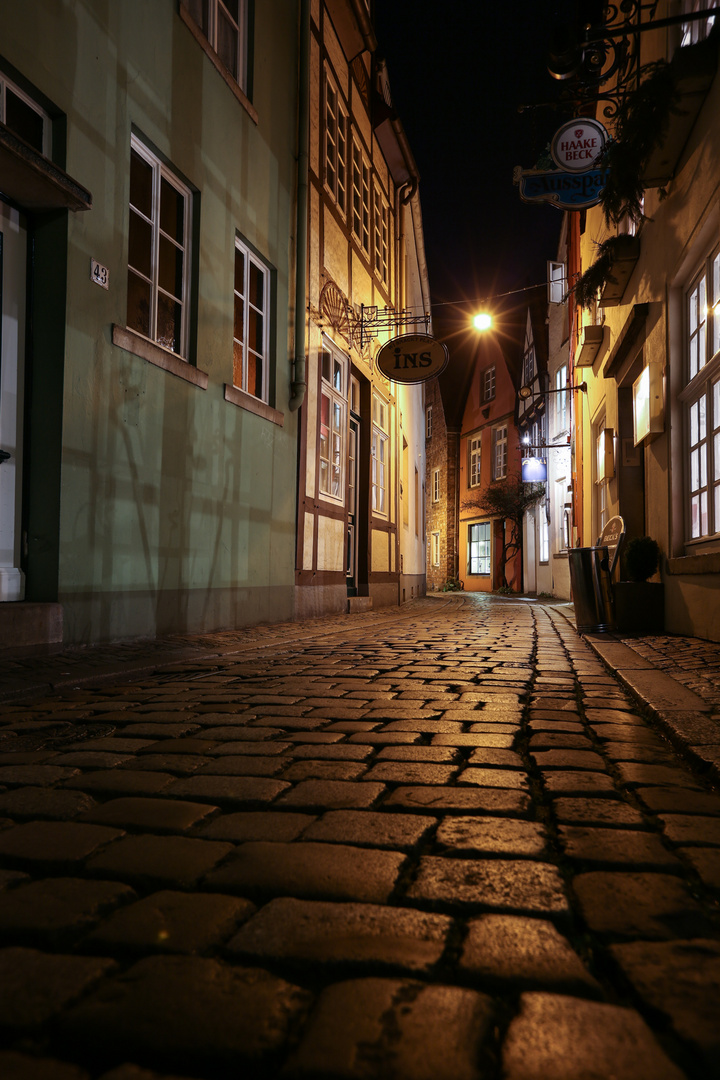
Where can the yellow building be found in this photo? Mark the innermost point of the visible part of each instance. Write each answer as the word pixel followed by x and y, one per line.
pixel 648 341
pixel 360 536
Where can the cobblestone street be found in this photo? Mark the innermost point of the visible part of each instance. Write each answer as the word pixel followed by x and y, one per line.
pixel 439 842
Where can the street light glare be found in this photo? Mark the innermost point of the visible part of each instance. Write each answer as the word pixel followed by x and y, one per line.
pixel 482 321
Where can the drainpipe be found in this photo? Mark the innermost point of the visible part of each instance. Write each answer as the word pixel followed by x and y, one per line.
pixel 299 385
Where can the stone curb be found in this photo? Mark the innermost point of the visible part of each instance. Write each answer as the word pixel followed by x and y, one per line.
pixel 681 713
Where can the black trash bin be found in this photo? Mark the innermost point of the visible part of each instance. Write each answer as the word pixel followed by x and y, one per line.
pixel 591 571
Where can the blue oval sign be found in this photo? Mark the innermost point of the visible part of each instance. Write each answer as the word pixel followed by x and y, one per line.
pixel 412 358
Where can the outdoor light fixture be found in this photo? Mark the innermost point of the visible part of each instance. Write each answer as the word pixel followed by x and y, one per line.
pixel 526 391
pixel 483 321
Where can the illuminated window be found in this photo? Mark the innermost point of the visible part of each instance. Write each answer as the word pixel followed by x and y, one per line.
pixel 381 236
pixel 436 485
pixel 435 548
pixel 543 534
pixel 474 448
pixel 158 249
pixel 561 419
pixel 224 24
pixel 251 323
pixel 697 29
pixel 360 198
pixel 380 443
pixel 24 117
pixel 479 548
pixel 499 462
pixel 333 404
pixel 489 383
pixel 336 124
pixel 701 399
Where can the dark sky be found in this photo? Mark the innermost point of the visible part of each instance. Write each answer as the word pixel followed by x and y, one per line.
pixel 458 71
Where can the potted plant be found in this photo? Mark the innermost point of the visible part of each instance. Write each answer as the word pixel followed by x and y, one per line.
pixel 639 602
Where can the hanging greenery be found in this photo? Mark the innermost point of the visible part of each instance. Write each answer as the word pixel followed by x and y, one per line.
pixel 590 283
pixel 641 124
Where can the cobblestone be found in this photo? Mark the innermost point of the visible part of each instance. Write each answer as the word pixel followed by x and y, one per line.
pixel 240 860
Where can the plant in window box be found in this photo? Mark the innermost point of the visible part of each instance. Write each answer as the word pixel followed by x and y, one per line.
pixel 639 602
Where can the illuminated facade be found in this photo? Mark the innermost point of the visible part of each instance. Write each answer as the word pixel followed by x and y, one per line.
pixel 648 430
pixel 360 519
pixel 149 165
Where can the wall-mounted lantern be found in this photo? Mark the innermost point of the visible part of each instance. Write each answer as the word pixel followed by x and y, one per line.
pixel 648 409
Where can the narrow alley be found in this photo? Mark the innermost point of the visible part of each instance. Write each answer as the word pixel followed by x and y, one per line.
pixel 438 842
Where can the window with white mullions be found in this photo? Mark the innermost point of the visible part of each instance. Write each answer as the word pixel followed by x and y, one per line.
pixel 500 440
pixel 380 442
pixel 701 398
pixel 25 117
pixel 158 242
pixel 333 423
pixel 251 323
pixel 479 548
pixel 381 236
pixel 224 24
pixel 489 383
pixel 360 198
pixel 336 124
pixel 474 458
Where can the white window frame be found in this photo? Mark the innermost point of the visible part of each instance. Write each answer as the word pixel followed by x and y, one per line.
pixel 500 452
pixel 242 346
pixel 561 411
pixel 696 29
pixel 428 422
pixel 543 531
pixel 489 383
pixel 332 432
pixel 217 11
pixel 435 548
pixel 336 144
pixel 479 548
pixel 474 461
pixel 380 454
pixel 381 235
pixel 7 84
pixel 556 282
pixel 160 173
pixel 436 485
pixel 360 200
pixel 701 401
pixel 529 365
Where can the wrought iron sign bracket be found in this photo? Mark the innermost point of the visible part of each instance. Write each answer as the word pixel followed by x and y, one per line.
pixel 373 320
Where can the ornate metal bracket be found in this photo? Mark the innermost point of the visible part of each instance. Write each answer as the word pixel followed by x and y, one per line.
pixel 360 325
pixel 603 66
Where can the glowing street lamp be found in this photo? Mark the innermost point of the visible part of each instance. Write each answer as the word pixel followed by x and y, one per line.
pixel 483 321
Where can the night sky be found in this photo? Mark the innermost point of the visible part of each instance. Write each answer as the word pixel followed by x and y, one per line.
pixel 458 71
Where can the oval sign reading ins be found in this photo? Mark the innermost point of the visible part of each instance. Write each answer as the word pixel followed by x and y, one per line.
pixel 412 358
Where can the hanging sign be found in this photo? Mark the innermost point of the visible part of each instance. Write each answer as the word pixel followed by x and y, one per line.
pixel 577 145
pixel 533 470
pixel 567 191
pixel 412 358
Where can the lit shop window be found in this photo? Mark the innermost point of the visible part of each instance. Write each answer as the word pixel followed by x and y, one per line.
pixel 380 443
pixel 701 399
pixel 479 548
pixel 332 423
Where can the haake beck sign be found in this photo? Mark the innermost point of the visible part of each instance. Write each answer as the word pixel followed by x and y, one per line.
pixel 412 358
pixel 577 145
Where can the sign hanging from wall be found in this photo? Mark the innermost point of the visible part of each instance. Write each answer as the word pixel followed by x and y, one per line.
pixel 412 358
pixel 533 470
pixel 577 145
pixel 578 181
